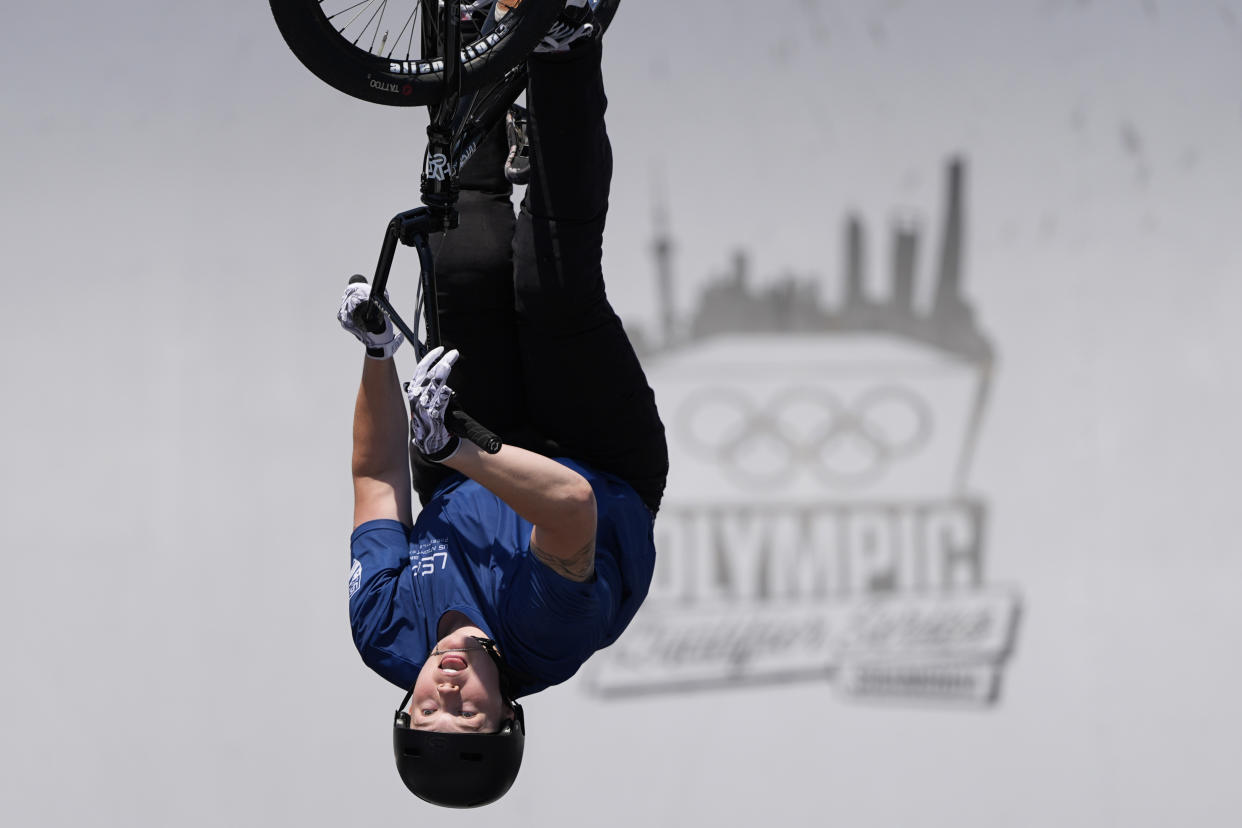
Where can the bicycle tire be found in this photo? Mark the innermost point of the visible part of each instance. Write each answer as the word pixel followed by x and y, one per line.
pixel 404 80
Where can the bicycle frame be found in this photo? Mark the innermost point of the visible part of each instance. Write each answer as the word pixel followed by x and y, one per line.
pixel 454 133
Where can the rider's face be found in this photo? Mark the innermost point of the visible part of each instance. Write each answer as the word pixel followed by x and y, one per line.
pixel 458 689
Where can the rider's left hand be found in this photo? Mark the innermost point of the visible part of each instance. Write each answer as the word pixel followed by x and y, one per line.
pixel 429 396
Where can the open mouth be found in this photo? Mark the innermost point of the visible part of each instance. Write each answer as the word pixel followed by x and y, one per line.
pixel 452 663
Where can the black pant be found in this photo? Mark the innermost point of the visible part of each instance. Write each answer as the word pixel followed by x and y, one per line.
pixel 544 360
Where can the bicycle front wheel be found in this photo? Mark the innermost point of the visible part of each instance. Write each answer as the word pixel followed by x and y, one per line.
pixel 384 51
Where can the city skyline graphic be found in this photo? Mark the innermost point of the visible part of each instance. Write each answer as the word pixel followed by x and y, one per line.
pixel 818 521
pixel 731 304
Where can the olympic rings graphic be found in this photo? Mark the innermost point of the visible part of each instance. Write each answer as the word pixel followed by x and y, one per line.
pixel 844 444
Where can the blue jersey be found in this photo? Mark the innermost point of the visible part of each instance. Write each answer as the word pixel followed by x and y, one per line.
pixel 469 552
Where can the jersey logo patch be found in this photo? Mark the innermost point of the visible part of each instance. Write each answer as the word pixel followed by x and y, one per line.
pixel 355 577
pixel 429 557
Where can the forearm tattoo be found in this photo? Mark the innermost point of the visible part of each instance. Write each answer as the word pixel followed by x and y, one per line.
pixel 576 567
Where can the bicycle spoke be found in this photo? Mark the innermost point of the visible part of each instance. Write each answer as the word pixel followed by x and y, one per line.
pixel 378 11
pixel 361 11
pixel 409 24
pixel 361 23
pixel 342 11
pixel 379 24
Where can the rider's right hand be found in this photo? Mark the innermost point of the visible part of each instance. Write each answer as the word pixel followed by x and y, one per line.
pixel 380 345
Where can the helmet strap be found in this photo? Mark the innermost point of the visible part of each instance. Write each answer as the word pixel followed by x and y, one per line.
pixel 506 675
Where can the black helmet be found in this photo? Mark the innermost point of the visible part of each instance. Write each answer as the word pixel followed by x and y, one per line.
pixel 459 770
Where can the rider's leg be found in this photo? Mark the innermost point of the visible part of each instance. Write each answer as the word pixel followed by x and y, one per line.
pixel 474 287
pixel 584 387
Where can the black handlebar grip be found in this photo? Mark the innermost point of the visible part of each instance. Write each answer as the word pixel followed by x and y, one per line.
pixel 462 424
pixel 367 316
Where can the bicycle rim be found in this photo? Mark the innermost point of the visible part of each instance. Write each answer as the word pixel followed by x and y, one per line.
pixel 381 51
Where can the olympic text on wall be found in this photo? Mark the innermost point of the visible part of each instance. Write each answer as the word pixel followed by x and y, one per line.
pixel 818 520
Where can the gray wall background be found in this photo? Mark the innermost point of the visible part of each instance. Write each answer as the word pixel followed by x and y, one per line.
pixel 182 202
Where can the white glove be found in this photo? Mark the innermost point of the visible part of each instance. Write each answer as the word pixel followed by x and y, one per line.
pixel 429 396
pixel 380 345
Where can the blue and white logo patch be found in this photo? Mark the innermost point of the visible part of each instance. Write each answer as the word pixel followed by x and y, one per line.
pixel 355 577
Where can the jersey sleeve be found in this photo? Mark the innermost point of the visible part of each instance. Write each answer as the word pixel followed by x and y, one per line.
pixel 380 550
pixel 554 624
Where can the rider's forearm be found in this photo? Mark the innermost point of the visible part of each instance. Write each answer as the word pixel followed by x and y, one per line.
pixel 381 427
pixel 539 489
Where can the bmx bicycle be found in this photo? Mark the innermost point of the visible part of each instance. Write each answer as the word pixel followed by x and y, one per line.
pixel 351 46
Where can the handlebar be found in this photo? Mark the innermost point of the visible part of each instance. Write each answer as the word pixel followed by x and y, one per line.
pixel 411 228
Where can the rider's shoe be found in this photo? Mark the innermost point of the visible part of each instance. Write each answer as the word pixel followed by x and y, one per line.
pixel 517 165
pixel 575 25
